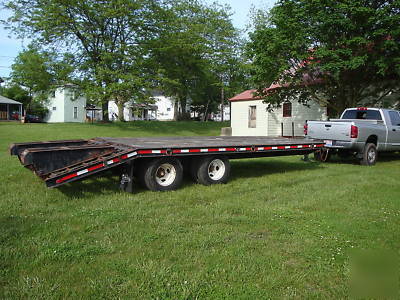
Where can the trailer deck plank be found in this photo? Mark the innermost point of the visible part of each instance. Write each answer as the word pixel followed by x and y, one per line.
pixel 203 141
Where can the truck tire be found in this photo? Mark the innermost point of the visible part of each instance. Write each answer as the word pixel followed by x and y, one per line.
pixel 162 174
pixel 370 155
pixel 212 170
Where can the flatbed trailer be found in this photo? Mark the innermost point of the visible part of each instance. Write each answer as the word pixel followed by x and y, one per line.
pixel 158 163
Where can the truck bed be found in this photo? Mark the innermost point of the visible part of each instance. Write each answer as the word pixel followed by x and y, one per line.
pixel 60 162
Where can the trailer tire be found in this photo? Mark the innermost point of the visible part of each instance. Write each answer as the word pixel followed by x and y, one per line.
pixel 162 174
pixel 212 170
pixel 370 155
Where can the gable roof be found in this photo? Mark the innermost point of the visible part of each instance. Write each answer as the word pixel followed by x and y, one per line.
pixel 4 100
pixel 251 94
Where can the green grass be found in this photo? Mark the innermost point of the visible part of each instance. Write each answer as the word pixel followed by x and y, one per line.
pixel 281 228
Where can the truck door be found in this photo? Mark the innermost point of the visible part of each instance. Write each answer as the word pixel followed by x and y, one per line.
pixel 393 141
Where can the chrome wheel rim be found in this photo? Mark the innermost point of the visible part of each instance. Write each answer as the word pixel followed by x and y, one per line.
pixel 216 169
pixel 371 155
pixel 165 174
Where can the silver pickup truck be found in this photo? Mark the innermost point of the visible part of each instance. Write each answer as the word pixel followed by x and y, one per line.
pixel 360 131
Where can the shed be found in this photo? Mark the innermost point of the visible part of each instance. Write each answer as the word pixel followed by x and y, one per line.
pixel 249 116
pixel 10 109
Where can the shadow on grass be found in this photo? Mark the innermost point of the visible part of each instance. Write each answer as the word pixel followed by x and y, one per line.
pixel 352 160
pixel 107 183
pixel 257 168
pixel 100 184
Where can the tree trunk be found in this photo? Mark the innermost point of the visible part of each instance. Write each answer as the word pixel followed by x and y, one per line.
pixel 176 112
pixel 182 102
pixel 206 111
pixel 222 104
pixel 120 112
pixel 104 107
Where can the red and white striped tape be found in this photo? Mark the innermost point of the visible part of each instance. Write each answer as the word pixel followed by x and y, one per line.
pixel 95 167
pixel 183 151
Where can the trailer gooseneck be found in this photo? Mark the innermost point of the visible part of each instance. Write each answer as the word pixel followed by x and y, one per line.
pixel 157 163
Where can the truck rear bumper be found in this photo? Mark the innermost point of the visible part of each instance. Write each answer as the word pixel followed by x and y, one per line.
pixel 349 145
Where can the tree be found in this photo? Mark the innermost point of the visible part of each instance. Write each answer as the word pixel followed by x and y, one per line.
pixel 104 38
pixel 339 53
pixel 34 74
pixel 31 79
pixel 196 53
pixel 31 69
pixel 16 93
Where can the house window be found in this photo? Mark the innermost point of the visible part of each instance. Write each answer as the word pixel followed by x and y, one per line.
pixel 75 112
pixel 54 108
pixel 53 94
pixel 252 116
pixel 169 109
pixel 287 109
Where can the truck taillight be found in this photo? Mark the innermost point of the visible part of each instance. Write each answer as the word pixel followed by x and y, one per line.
pixel 305 129
pixel 354 132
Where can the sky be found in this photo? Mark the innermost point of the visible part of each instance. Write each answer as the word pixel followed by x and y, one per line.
pixel 9 47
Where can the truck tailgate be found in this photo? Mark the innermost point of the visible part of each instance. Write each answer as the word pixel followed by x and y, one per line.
pixel 325 130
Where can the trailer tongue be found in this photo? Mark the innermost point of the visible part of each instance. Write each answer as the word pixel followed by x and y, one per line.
pixel 156 161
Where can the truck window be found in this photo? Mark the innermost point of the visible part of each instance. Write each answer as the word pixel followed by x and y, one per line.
pixel 394 118
pixel 362 114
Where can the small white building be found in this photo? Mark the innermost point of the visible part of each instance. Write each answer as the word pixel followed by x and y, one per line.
pixel 133 111
pixel 66 104
pixel 249 116
pixel 227 113
pixel 162 108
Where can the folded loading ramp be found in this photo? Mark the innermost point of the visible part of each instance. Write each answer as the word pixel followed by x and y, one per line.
pixel 60 162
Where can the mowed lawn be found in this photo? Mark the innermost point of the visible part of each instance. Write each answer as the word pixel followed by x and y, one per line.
pixel 281 228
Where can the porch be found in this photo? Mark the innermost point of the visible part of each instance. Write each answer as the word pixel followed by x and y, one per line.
pixel 10 109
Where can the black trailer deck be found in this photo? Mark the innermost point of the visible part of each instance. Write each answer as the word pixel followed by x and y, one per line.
pixel 60 162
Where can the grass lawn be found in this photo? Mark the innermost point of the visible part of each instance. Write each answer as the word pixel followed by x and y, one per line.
pixel 281 228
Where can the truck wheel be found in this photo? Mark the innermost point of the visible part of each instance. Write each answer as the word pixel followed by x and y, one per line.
pixel 163 174
pixel 212 170
pixel 370 155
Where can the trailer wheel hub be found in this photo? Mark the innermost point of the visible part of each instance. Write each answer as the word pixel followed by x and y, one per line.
pixel 216 169
pixel 165 174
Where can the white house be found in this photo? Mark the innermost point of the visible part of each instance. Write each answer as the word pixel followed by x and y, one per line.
pixel 66 104
pixel 133 111
pixel 249 116
pixel 163 109
pixel 227 113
